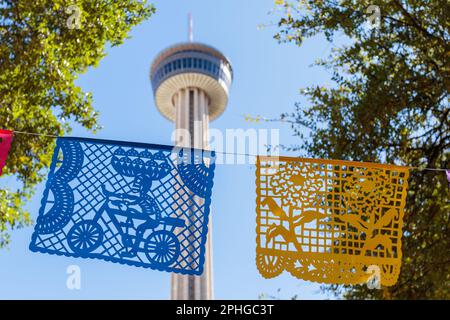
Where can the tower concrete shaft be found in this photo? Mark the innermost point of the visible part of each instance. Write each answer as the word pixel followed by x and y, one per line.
pixel 191 115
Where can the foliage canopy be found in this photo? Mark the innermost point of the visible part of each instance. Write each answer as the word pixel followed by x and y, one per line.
pixel 389 103
pixel 44 46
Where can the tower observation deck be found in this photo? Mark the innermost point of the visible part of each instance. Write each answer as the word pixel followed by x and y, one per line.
pixel 191 65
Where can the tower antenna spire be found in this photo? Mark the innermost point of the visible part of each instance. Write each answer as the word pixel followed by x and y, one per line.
pixel 191 28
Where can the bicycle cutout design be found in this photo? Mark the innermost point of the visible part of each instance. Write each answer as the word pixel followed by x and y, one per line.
pixel 161 247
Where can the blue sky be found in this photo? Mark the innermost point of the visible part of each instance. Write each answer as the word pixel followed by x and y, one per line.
pixel 267 80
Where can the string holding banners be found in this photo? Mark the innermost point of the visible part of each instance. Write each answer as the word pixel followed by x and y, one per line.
pixel 329 221
pixel 137 204
pixel 147 205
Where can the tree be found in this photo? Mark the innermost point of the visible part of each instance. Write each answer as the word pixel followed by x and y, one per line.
pixel 388 103
pixel 44 46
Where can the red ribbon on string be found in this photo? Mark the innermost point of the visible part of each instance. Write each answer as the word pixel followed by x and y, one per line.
pixel 6 137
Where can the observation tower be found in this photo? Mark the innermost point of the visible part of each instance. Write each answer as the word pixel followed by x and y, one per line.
pixel 191 83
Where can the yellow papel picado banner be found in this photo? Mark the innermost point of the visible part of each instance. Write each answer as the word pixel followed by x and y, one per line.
pixel 329 221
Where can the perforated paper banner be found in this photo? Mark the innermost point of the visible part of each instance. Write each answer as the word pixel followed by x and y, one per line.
pixel 329 221
pixel 136 204
pixel 6 137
